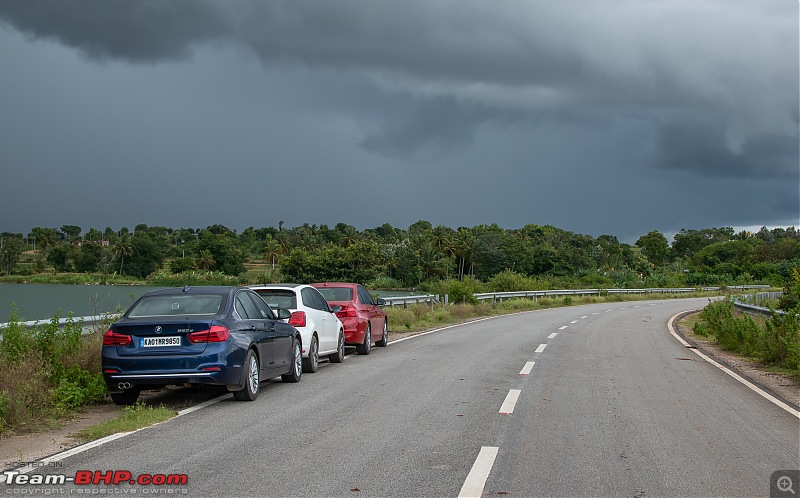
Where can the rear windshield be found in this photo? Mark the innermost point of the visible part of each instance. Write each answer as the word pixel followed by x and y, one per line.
pixel 195 304
pixel 278 298
pixel 336 293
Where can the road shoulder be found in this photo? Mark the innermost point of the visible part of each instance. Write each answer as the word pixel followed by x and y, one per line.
pixel 781 386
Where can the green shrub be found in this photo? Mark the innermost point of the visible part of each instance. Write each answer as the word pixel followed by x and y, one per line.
pixel 46 372
pixel 457 291
pixel 384 282
pixel 511 281
pixel 168 279
pixel 791 293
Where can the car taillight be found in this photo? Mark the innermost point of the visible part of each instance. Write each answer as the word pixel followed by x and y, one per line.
pixel 216 333
pixel 111 338
pixel 347 312
pixel 298 319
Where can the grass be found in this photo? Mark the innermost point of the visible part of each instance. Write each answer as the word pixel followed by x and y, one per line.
pixel 133 417
pixel 773 342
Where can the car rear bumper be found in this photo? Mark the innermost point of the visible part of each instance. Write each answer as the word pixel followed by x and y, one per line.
pixel 118 382
pixel 220 368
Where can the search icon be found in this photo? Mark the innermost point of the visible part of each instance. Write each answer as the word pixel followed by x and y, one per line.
pixel 785 484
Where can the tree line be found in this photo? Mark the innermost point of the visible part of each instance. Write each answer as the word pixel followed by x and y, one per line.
pixel 411 258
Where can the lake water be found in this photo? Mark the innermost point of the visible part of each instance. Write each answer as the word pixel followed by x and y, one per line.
pixel 42 301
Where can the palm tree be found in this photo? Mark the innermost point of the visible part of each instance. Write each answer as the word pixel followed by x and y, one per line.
pixel 122 249
pixel 205 259
pixel 272 250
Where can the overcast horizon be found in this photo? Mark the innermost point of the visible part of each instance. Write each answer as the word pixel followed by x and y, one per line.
pixel 597 117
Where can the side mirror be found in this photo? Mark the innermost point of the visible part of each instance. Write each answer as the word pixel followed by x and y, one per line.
pixel 336 308
pixel 283 314
pixel 380 302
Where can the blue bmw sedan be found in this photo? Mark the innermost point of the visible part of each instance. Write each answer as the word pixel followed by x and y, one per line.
pixel 199 335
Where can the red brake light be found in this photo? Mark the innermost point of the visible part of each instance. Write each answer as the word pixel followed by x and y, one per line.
pixel 217 333
pixel 298 319
pixel 111 338
pixel 347 312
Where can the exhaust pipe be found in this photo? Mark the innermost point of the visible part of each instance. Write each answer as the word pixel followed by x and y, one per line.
pixel 124 385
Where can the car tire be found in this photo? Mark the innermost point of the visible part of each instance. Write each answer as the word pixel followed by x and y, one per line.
pixel 297 365
pixel 126 397
pixel 338 356
pixel 367 345
pixel 252 380
pixel 384 340
pixel 311 363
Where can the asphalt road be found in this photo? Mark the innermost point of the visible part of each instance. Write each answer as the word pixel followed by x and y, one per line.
pixel 613 406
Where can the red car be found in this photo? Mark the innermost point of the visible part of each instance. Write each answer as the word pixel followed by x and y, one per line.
pixel 361 316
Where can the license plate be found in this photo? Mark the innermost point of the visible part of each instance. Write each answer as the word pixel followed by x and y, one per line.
pixel 154 342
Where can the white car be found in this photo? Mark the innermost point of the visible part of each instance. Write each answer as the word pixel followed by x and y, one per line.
pixel 321 330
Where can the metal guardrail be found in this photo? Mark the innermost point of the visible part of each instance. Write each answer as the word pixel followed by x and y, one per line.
pixel 756 310
pixel 534 294
pixel 406 300
pixel 661 290
pixel 500 296
pixel 88 322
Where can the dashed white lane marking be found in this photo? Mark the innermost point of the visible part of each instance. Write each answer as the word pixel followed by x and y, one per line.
pixel 736 376
pixel 609 311
pixel 540 348
pixel 476 479
pixel 552 335
pixel 527 368
pixel 562 328
pixel 574 321
pixel 595 313
pixel 507 408
pixel 623 308
pixel 585 316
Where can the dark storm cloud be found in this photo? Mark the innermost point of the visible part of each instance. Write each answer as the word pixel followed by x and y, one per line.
pixel 437 125
pixel 140 31
pixel 700 146
pixel 706 91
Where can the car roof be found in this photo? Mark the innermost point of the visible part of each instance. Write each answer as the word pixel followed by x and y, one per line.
pixel 334 284
pixel 190 290
pixel 276 286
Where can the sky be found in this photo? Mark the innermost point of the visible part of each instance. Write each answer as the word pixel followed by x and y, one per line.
pixel 596 116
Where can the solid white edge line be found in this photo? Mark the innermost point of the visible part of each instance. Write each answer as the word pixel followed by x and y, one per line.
pixel 507 408
pixel 68 453
pixel 527 368
pixel 476 479
pixel 728 371
pixel 204 404
pixel 98 442
pixel 451 326
pixel 553 335
pixel 540 348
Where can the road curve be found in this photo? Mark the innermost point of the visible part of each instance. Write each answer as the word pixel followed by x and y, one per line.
pixel 611 405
